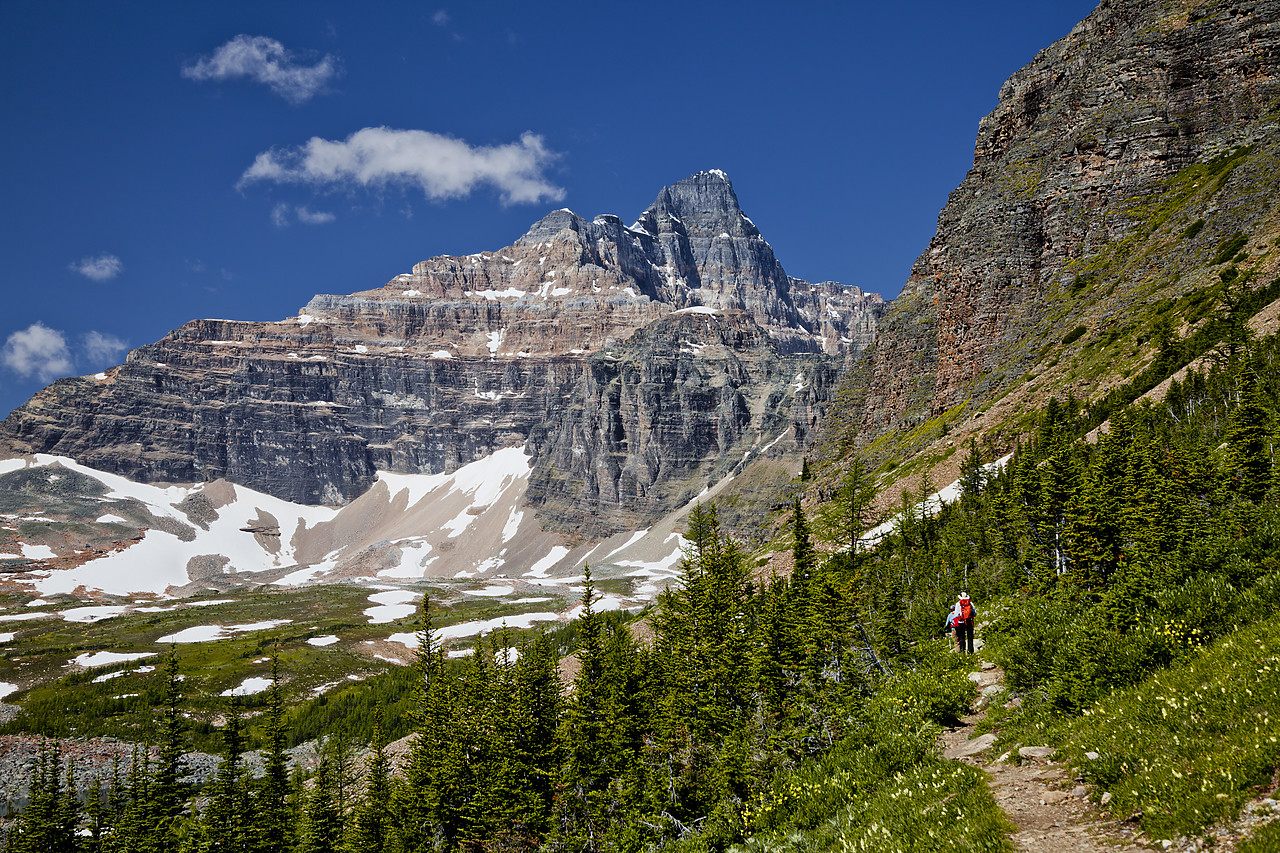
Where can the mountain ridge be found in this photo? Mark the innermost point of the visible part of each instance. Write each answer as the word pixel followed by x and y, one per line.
pixel 467 355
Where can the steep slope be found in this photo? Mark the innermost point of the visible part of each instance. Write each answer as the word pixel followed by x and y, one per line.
pixel 1115 169
pixel 465 356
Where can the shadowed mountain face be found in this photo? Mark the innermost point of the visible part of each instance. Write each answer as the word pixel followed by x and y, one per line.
pixel 632 363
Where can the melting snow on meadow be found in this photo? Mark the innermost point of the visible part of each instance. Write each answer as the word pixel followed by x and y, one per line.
pixel 249 686
pixel 209 633
pixel 6 688
pixel 90 659
pixel 392 605
pixel 321 642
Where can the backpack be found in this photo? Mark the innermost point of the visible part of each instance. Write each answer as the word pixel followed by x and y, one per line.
pixel 965 617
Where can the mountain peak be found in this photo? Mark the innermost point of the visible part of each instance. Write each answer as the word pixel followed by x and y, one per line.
pixel 702 205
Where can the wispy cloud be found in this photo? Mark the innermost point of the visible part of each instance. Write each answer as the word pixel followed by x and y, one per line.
pixel 441 166
pixel 313 217
pixel 265 61
pixel 100 349
pixel 103 267
pixel 37 351
pixel 441 18
pixel 283 214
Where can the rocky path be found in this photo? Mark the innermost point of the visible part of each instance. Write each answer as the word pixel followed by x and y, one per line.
pixel 1043 800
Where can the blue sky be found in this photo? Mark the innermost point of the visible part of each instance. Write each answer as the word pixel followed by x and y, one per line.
pixel 170 161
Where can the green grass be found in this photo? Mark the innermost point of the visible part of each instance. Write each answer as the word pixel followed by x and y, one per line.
pixel 1190 745
pixel 884 787
pixel 1183 749
pixel 1265 839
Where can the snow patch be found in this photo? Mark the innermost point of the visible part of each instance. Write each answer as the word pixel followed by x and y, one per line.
pixel 91 659
pixel 248 687
pixel 540 568
pixel 209 633
pixel 321 642
pixel 391 605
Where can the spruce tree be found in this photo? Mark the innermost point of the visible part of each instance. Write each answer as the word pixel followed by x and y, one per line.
pixel 168 797
pixel 323 833
pixel 371 824
pixel 273 820
pixel 228 816
pixel 48 824
pixel 1249 441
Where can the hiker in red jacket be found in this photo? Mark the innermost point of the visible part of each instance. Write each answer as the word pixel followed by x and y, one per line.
pixel 963 615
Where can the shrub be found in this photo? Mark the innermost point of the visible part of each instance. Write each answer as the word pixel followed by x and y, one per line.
pixel 1193 229
pixel 1074 335
pixel 1228 249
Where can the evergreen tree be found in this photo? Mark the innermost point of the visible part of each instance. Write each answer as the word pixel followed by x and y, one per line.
pixel 1249 442
pixel 844 518
pixel 48 824
pixel 168 797
pixel 371 824
pixel 323 832
pixel 273 818
pixel 228 815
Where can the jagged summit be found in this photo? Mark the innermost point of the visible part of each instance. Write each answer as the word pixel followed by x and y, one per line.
pixel 702 205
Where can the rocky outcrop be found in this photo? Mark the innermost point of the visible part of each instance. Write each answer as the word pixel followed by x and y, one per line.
pixel 569 340
pixel 1071 170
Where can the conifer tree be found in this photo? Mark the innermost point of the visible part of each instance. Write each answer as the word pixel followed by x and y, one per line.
pixel 48 824
pixel 323 832
pixel 371 824
pixel 168 797
pixel 228 815
pixel 1249 440
pixel 273 821
pixel 844 518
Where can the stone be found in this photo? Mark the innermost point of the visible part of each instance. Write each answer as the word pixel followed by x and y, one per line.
pixel 1080 792
pixel 1092 756
pixel 970 747
pixel 1050 797
pixel 1105 799
pixel 1037 753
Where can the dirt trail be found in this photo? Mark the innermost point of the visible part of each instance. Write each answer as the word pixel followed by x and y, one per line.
pixel 1044 801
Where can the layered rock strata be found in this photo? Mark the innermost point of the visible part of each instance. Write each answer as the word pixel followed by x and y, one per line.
pixel 632 361
pixel 1066 168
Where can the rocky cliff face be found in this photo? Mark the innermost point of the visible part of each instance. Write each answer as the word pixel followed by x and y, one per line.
pixel 633 362
pixel 1078 194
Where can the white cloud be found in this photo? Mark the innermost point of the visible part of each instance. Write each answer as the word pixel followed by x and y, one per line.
pixel 101 268
pixel 265 61
pixel 37 351
pixel 440 18
pixel 282 214
pixel 441 166
pixel 102 349
pixel 313 217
